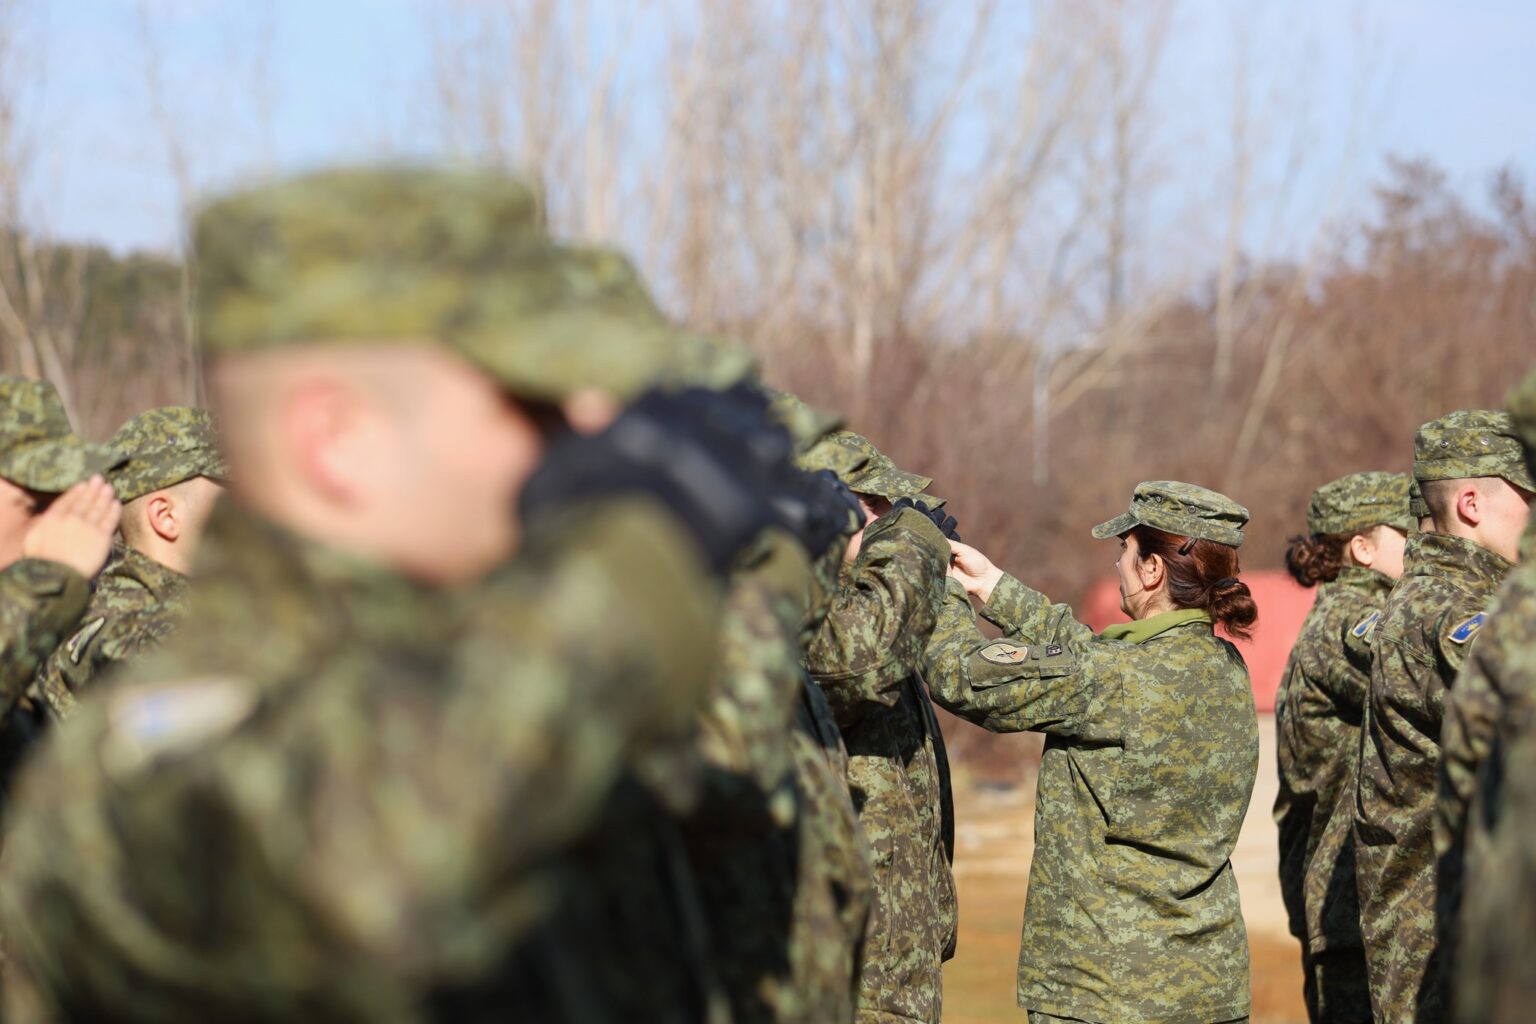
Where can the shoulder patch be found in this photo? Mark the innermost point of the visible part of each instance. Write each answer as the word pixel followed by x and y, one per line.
pixel 1468 629
pixel 148 723
pixel 1004 653
pixel 84 635
pixel 1366 626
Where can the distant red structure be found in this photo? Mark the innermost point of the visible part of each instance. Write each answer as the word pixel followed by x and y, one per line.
pixel 1283 605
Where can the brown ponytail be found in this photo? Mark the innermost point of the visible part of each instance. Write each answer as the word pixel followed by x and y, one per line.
pixel 1202 574
pixel 1316 559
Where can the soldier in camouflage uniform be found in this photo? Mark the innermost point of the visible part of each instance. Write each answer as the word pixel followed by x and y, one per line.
pixel 1476 485
pixel 1486 792
pixel 1150 756
pixel 173 474
pixel 1357 525
pixel 348 786
pixel 865 657
pixel 50 546
pixel 775 841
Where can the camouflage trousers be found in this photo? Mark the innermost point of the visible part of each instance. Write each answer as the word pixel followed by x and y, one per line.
pixel 1337 989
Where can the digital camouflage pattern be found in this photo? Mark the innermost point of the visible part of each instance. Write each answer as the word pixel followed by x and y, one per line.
pixel 164 447
pixel 136 604
pixel 40 602
pixel 1484 862
pixel 865 656
pixel 1470 443
pixel 1181 509
pixel 1359 501
pixel 774 842
pixel 1496 976
pixel 877 475
pixel 386 781
pixel 1318 709
pixel 460 258
pixel 1423 638
pixel 38 447
pixel 1416 506
pixel 1150 756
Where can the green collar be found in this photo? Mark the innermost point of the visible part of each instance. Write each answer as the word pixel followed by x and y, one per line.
pixel 1142 630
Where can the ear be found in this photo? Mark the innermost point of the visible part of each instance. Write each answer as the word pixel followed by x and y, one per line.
pixel 1362 550
pixel 1470 505
pixel 1152 571
pixel 322 423
pixel 164 515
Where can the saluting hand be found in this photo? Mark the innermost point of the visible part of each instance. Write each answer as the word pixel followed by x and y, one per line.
pixel 974 570
pixel 77 528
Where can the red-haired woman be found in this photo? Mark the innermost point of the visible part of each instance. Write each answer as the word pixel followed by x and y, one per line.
pixel 1150 755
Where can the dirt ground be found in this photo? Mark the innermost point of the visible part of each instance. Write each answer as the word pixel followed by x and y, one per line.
pixel 994 839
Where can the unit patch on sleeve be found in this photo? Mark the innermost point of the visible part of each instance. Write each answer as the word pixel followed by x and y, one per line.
pixel 1468 629
pixel 1366 626
pixel 1004 653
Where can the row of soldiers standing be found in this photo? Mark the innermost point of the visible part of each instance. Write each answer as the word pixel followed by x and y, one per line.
pixel 1405 702
pixel 538 665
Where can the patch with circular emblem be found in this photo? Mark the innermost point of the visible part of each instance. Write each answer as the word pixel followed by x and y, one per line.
pixel 1004 653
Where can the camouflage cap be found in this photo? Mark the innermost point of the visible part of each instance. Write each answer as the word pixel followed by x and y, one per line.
pixel 1181 509
pixel 704 362
pixel 1418 508
pixel 164 447
pixel 1360 501
pixel 1470 443
pixel 878 475
pixel 422 256
pixel 814 432
pixel 1522 414
pixel 38 448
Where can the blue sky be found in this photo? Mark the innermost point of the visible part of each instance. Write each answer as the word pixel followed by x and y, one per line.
pixel 1453 81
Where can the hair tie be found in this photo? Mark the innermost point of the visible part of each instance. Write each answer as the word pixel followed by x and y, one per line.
pixel 1226 583
pixel 1188 545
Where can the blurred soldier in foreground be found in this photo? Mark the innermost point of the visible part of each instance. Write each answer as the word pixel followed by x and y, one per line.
pixel 56 521
pixel 168 485
pixel 345 788
pixel 1357 527
pixel 865 657
pixel 1476 484
pixel 775 842
pixel 1488 790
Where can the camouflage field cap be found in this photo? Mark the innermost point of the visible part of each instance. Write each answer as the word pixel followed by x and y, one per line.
pixel 1522 414
pixel 814 434
pixel 164 447
pixel 878 475
pixel 1360 501
pixel 1181 509
pixel 1470 443
pixel 1418 508
pixel 452 257
pixel 38 448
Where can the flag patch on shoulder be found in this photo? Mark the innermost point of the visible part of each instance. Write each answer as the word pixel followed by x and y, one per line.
pixel 1004 653
pixel 1468 629
pixel 83 636
pixel 1366 626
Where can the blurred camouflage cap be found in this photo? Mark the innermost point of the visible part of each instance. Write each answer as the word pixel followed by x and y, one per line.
pixel 1181 509
pixel 1360 501
pixel 1470 443
pixel 164 447
pixel 1522 414
pixel 1417 507
pixel 814 432
pixel 698 360
pixel 38 448
pixel 451 257
pixel 878 475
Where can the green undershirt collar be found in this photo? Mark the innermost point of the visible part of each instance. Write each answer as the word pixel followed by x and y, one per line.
pixel 1142 630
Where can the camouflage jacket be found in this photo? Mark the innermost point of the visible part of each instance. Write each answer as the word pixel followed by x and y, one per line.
pixel 865 656
pixel 135 604
pixel 1150 757
pixel 1317 725
pixel 774 843
pixel 1492 703
pixel 1495 977
pixel 1431 621
pixel 334 794
pixel 40 602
